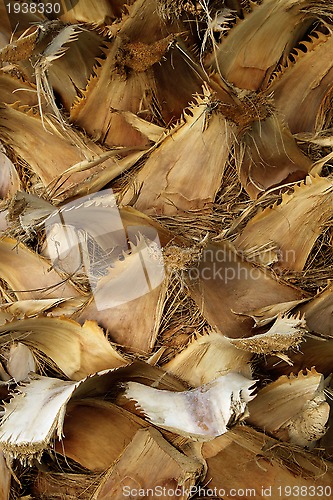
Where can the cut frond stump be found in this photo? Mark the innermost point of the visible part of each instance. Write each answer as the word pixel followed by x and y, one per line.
pixel 303 410
pixel 168 468
pixel 202 413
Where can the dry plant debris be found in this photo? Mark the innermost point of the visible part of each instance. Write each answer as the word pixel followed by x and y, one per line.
pixel 166 249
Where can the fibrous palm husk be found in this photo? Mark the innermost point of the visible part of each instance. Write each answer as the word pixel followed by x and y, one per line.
pixel 6 477
pixel 29 275
pixel 70 228
pixel 291 227
pixel 312 351
pixel 206 358
pixel 178 77
pixel 85 11
pixel 113 429
pixel 9 179
pixel 285 333
pixel 30 212
pixel 14 27
pixel 47 399
pixel 265 315
pixel 263 162
pixel 251 51
pixel 318 312
pixel 3 222
pixel 77 350
pixel 225 287
pixel 30 308
pixel 301 89
pixel 24 132
pixel 247 459
pixel 36 67
pixel 20 362
pixel 14 86
pixel 326 441
pixel 23 47
pixel 170 469
pixel 125 80
pixel 66 76
pixel 303 410
pixel 110 302
pixel 107 93
pixel 168 181
pixel 30 440
pixel 57 485
pixel 42 65
pixel 53 51
pixel 27 211
pixel 62 76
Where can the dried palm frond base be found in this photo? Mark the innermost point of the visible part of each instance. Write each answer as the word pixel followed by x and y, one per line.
pixel 166 249
pixel 244 459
